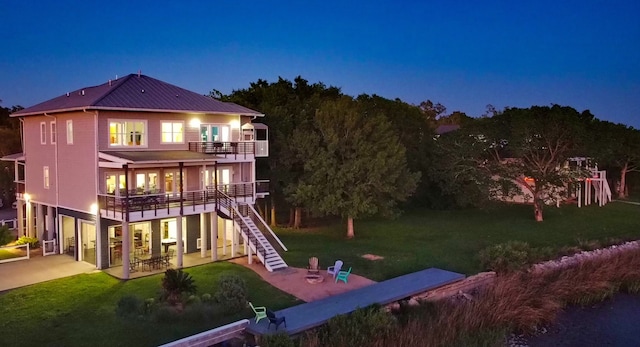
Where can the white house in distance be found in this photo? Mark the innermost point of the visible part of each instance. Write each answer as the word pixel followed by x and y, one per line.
pixel 118 172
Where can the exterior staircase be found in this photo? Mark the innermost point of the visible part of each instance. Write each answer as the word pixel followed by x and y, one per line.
pixel 256 233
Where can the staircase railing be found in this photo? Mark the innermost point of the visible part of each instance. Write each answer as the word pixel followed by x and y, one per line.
pixel 264 228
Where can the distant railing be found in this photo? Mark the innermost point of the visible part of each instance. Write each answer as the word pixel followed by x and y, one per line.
pixel 262 186
pixel 11 223
pixel 17 257
pixel 226 149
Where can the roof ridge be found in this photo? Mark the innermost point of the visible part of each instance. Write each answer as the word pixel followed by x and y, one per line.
pixel 111 90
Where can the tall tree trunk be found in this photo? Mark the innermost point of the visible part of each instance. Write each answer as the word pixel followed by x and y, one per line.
pixel 266 211
pixel 297 221
pixel 350 233
pixel 537 208
pixel 273 212
pixel 291 217
pixel 622 191
pixel 261 212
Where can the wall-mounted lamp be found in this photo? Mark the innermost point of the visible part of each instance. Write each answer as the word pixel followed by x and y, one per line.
pixel 94 208
pixel 27 197
pixel 195 123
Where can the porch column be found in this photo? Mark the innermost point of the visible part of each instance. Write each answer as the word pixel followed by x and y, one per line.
pixel 234 237
pixel 21 222
pixel 179 244
pixel 126 243
pixel 203 235
pixel 250 258
pixel 50 226
pixel 224 237
pixel 40 232
pixel 29 218
pixel 214 235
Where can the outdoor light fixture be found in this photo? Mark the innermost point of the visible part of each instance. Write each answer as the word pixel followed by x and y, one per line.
pixel 234 124
pixel 94 208
pixel 195 122
pixel 27 197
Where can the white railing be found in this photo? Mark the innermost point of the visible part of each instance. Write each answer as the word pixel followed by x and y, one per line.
pixel 48 247
pixel 213 336
pixel 257 216
pixel 11 223
pixel 16 258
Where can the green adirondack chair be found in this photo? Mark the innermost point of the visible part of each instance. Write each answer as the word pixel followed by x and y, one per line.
pixel 260 311
pixel 343 275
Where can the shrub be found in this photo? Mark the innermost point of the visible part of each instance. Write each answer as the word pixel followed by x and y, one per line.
pixel 176 282
pixel 193 299
pixel 129 306
pixel 6 235
pixel 32 241
pixel 206 297
pixel 363 327
pixel 507 257
pixel 231 293
pixel 166 314
pixel 277 340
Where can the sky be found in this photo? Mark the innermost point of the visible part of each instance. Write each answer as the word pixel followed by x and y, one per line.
pixel 462 54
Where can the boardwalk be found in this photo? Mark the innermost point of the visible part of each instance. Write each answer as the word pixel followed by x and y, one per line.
pixel 315 313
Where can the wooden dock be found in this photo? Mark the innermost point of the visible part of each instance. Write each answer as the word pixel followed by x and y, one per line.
pixel 312 314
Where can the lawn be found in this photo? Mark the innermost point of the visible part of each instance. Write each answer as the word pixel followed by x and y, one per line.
pixel 451 240
pixel 79 310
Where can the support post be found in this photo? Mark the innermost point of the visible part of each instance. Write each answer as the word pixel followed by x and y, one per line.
pixel 214 235
pixel 179 243
pixel 203 235
pixel 126 244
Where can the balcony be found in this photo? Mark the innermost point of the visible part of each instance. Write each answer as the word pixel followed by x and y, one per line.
pixel 149 205
pixel 232 149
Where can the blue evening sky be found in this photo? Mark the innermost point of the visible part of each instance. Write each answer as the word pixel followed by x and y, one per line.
pixel 463 54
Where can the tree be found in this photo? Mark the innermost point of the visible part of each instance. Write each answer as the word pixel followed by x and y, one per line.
pixel 10 144
pixel 619 149
pixel 354 164
pixel 530 146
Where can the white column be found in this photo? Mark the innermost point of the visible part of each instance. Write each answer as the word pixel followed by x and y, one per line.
pixel 224 237
pixel 214 235
pixel 29 218
pixel 126 243
pixel 234 239
pixel 40 234
pixel 203 235
pixel 179 243
pixel 99 242
pixel 21 218
pixel 250 258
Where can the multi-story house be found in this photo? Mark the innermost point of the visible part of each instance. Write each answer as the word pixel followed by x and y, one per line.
pixel 129 168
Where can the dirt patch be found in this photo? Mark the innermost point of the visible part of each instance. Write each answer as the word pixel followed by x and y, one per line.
pixel 372 257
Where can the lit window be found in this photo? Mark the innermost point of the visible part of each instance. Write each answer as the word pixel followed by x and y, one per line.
pixel 45 174
pixel 69 132
pixel 127 133
pixel 43 133
pixel 172 132
pixel 53 132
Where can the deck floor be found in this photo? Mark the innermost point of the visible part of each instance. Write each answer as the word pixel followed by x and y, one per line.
pixel 312 314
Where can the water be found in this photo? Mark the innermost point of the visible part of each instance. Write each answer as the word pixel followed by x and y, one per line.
pixel 614 322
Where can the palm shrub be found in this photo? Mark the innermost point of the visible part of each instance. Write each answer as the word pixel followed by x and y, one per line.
pixel 231 293
pixel 175 283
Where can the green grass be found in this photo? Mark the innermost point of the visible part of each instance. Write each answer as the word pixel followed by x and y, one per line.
pixel 79 310
pixel 451 240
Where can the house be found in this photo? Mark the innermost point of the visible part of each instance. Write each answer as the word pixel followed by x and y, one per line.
pixel 126 169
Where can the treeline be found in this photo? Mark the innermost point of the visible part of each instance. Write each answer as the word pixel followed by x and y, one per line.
pixel 9 144
pixel 353 157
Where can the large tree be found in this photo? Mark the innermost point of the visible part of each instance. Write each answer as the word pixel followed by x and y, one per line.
pixel 10 144
pixel 616 146
pixel 354 163
pixel 531 146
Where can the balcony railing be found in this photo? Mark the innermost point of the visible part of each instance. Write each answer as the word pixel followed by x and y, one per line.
pixel 256 148
pixel 150 204
pixel 262 187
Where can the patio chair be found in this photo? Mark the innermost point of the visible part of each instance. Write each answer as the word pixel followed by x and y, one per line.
pixel 275 320
pixel 313 265
pixel 260 311
pixel 343 275
pixel 334 269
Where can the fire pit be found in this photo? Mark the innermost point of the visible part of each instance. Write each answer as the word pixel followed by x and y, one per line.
pixel 314 279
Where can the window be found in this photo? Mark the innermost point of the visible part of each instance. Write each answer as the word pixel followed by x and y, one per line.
pixel 53 132
pixel 43 133
pixel 45 174
pixel 172 132
pixel 69 132
pixel 127 133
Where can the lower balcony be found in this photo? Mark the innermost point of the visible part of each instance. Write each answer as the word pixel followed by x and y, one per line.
pixel 151 205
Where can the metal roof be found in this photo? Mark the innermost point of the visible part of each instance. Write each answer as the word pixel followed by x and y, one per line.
pixel 157 156
pixel 136 92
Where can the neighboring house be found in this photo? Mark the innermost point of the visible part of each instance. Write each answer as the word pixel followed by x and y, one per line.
pixel 133 165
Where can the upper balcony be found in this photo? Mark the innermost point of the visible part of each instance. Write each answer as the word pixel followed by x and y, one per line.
pixel 232 149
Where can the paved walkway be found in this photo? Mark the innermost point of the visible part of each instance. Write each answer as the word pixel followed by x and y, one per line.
pixel 312 314
pixel 40 269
